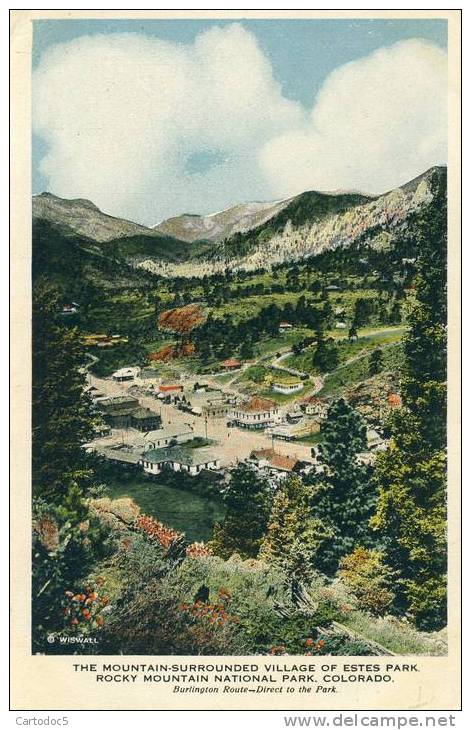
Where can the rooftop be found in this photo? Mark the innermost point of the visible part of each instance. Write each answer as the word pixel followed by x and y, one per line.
pixel 182 455
pixel 142 413
pixel 120 453
pixel 230 363
pixel 118 400
pixel 123 372
pixel 278 461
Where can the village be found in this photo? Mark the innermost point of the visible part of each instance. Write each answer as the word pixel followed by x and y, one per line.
pixel 194 425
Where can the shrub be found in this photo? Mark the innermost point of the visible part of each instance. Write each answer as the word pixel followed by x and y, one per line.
pixel 368 578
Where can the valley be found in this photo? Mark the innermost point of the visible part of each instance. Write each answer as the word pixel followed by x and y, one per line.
pixel 233 403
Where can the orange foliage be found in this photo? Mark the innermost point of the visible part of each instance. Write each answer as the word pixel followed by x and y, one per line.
pixel 170 352
pixel 182 319
pixel 197 550
pixel 83 610
pixel 157 531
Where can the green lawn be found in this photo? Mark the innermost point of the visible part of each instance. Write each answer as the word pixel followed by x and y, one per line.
pixel 347 349
pixel 357 371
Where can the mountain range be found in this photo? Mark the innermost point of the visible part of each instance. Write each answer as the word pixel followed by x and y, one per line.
pixel 248 235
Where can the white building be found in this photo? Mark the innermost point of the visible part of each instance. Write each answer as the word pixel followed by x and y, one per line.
pixel 256 413
pixel 160 438
pixel 179 458
pixel 287 386
pixel 125 374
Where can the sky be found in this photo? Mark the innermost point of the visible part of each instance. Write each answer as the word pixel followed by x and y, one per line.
pixel 150 119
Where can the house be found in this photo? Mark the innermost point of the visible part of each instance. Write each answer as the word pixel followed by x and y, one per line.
pixel 314 406
pixel 287 385
pixel 160 438
pixel 143 419
pixel 285 326
pixel 118 417
pixel 121 454
pixel 180 458
pixel 256 413
pixel 125 412
pixel 118 402
pixel 231 364
pixel 209 404
pixel 68 309
pixel 294 416
pixel 125 374
pixel 340 326
pixel 273 462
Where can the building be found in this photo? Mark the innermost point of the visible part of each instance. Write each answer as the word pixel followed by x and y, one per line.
pixel 256 413
pixel 180 458
pixel 231 364
pixel 70 308
pixel 143 419
pixel 160 438
pixel 125 412
pixel 340 326
pixel 118 402
pixel 209 404
pixel 285 326
pixel 170 389
pixel 121 454
pixel 294 416
pixel 125 374
pixel 287 386
pixel 314 406
pixel 271 461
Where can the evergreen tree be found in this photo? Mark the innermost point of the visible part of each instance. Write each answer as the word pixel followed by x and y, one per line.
pixel 352 332
pixel 246 350
pixel 294 535
pixel 61 416
pixel 345 497
pixel 248 500
pixel 326 357
pixel 375 362
pixel 411 474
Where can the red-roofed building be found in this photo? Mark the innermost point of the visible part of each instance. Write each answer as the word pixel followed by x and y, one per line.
pixel 171 388
pixel 270 459
pixel 231 364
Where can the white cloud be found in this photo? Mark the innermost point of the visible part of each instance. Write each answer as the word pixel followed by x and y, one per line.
pixel 123 114
pixel 377 123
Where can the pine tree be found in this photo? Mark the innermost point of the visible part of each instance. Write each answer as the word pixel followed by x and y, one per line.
pixel 248 500
pixel 345 497
pixel 62 421
pixel 375 362
pixel 294 535
pixel 411 474
pixel 326 356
